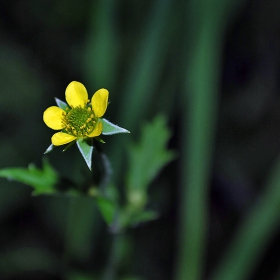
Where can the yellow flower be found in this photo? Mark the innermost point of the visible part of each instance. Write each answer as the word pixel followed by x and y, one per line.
pixel 81 118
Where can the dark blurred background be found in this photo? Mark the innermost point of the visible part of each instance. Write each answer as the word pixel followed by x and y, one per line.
pixel 139 51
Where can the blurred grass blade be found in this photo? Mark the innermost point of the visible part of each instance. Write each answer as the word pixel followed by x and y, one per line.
pixel 206 20
pixel 145 70
pixel 254 233
pixel 197 157
pixel 102 45
pixel 143 75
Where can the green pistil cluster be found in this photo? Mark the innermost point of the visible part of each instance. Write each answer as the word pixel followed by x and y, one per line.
pixel 79 122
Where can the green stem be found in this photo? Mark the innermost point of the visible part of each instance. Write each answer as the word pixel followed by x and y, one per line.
pixel 67 239
pixel 107 172
pixel 82 228
pixel 114 256
pixel 106 169
pixel 117 235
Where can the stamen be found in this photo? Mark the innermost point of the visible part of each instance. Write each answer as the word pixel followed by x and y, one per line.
pixel 79 122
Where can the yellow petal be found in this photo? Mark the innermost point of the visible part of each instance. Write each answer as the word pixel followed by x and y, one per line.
pixel 76 95
pixel 99 102
pixel 61 138
pixel 53 117
pixel 97 131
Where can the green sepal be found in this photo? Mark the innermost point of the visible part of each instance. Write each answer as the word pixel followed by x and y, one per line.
pixel 42 180
pixel 61 104
pixel 110 128
pixel 107 209
pixel 99 140
pixel 86 148
pixel 68 146
pixel 49 149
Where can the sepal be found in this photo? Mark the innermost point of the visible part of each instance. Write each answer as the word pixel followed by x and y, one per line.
pixel 49 149
pixel 61 104
pixel 86 148
pixel 110 128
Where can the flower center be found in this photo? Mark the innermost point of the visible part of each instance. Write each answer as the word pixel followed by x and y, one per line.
pixel 79 122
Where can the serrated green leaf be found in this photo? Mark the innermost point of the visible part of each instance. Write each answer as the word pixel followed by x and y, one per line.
pixel 110 128
pixel 143 217
pixel 107 209
pixel 42 180
pixel 149 156
pixel 61 104
pixel 86 148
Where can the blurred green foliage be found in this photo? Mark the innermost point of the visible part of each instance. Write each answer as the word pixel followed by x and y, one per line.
pixel 212 69
pixel 145 163
pixel 42 180
pixel 148 157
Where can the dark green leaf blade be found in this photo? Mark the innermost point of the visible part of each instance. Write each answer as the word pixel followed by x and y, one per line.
pixel 107 209
pixel 110 128
pixel 86 150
